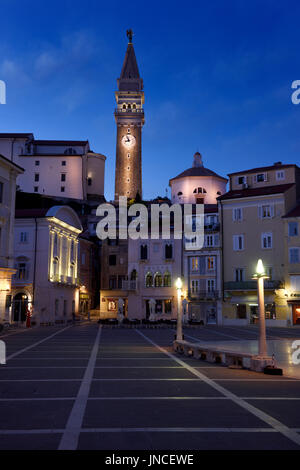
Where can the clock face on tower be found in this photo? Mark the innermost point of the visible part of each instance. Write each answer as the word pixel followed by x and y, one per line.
pixel 128 140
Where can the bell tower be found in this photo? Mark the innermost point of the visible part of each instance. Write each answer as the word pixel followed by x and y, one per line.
pixel 129 115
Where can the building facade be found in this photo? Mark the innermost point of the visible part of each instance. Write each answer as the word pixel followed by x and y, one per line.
pixel 46 282
pixel 252 215
pixel 55 167
pixel 8 175
pixel 201 268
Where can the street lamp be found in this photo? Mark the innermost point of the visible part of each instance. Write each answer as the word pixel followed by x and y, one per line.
pixel 260 275
pixel 178 285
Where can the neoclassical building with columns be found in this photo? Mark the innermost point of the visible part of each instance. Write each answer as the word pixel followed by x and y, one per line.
pixel 46 261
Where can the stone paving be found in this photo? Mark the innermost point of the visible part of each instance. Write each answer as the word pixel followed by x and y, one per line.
pixel 87 387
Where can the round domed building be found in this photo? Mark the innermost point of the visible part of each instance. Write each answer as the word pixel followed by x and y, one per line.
pixel 197 185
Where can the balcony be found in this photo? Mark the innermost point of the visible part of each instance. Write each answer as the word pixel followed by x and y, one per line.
pixel 204 295
pixel 252 285
pixel 212 227
pixel 125 112
pixel 129 285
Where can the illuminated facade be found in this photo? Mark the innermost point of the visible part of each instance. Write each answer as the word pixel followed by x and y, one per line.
pixel 254 226
pixel 129 116
pixel 8 175
pixel 46 261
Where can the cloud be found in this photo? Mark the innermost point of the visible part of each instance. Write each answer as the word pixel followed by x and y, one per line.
pixel 12 71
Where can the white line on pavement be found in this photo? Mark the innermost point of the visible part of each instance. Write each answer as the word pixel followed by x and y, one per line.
pixel 269 420
pixel 147 430
pixel 69 440
pixel 36 344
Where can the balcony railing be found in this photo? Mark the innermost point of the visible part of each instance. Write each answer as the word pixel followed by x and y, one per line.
pixel 129 111
pixel 204 295
pixel 129 285
pixel 212 227
pixel 252 285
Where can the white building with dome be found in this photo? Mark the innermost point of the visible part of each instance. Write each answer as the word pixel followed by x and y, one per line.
pixel 202 272
pixel 197 185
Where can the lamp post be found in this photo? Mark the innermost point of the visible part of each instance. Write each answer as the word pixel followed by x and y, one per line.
pixel 178 285
pixel 260 275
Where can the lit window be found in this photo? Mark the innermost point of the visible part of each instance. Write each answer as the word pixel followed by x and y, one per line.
pixel 195 264
pixel 211 262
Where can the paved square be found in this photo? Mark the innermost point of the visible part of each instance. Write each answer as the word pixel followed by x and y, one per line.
pixel 87 387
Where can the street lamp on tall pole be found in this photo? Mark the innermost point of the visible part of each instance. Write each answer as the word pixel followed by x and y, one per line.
pixel 178 285
pixel 260 275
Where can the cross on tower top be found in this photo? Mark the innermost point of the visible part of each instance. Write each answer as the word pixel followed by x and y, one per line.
pixel 129 34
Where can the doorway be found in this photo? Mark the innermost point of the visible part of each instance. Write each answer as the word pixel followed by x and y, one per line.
pixel 296 314
pixel 20 307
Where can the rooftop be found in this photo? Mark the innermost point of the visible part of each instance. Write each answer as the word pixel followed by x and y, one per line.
pixel 276 166
pixel 253 192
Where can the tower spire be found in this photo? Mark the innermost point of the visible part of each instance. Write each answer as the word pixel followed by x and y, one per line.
pixel 129 34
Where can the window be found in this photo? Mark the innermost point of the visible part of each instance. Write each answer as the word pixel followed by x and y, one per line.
pixel 112 305
pixel 210 262
pixel 241 180
pixel 63 177
pixel 1 192
pixel 120 281
pixel 133 275
pixel 266 240
pixel 144 252
pixel 293 229
pixel 112 282
pixel 237 214
pixel 23 237
pixel 168 306
pixel 89 181
pixel 37 163
pixel 83 259
pixel 194 264
pixel 239 274
pixel 269 271
pixel 295 283
pixel 209 240
pixel 22 273
pixel 70 151
pixel 241 311
pixel 62 189
pixel 168 251
pixel 112 260
pixel 260 177
pixel 63 163
pixel 35 189
pixel 194 286
pixel 149 280
pixel 210 285
pixel 266 211
pixel 157 280
pixel 167 279
pixel 179 194
pixel 238 242
pixel 280 175
pixel 294 255
pixel 36 177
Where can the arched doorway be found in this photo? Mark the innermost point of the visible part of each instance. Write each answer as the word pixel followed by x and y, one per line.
pixel 20 306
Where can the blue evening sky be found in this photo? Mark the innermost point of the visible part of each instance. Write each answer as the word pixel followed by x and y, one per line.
pixel 217 78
